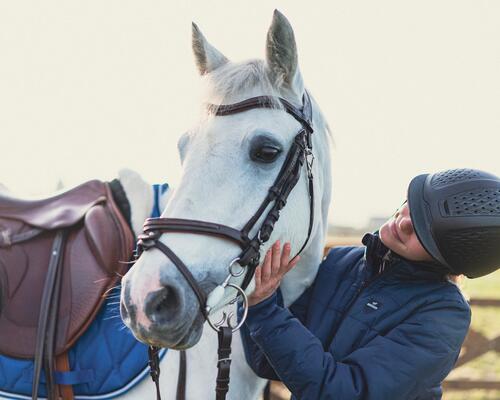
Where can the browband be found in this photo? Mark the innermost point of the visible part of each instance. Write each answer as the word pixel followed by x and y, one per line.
pixel 303 116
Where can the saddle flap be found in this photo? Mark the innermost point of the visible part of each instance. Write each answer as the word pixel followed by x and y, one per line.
pixel 100 228
pixel 90 265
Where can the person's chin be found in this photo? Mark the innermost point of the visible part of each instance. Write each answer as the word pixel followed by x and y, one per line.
pixel 388 239
pixel 385 235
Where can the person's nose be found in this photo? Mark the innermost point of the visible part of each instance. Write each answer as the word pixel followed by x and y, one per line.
pixel 405 225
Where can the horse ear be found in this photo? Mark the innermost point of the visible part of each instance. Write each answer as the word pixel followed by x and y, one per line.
pixel 207 56
pixel 281 55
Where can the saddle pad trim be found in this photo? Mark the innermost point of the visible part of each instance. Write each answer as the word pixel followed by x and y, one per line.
pixel 63 377
pixel 106 396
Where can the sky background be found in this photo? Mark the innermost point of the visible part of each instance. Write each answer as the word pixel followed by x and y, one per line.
pixel 89 87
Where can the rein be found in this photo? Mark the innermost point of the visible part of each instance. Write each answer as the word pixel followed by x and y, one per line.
pixel 300 153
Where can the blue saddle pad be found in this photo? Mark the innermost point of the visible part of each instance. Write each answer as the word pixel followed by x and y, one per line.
pixel 105 362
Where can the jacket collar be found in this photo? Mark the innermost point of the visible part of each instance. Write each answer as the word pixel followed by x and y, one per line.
pixel 380 258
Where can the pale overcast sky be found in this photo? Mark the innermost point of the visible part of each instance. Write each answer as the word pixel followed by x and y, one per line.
pixel 88 87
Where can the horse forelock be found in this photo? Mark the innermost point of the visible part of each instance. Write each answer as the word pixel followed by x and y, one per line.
pixel 235 82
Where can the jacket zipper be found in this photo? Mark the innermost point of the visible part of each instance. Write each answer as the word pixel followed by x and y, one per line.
pixel 362 287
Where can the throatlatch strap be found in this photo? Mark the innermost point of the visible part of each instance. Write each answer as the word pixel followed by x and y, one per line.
pixel 311 215
pixel 225 335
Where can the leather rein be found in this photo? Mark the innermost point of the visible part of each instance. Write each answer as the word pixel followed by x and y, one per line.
pixel 300 153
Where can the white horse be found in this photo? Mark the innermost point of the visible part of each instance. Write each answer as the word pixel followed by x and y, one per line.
pixel 223 183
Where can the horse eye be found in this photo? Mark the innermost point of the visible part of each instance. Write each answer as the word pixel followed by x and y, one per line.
pixel 265 154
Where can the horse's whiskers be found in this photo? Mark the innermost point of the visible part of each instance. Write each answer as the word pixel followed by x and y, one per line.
pixel 127 262
pixel 110 289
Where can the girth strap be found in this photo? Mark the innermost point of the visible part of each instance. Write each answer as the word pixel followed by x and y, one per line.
pixel 47 320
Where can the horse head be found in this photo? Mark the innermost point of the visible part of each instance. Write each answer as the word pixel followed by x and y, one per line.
pixel 229 163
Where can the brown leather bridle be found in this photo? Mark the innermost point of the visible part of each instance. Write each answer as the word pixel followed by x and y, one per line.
pixel 300 153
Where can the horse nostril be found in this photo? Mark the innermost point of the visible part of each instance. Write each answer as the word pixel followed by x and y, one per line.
pixel 161 306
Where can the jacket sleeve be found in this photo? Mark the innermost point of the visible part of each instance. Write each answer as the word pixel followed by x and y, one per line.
pixel 255 357
pixel 253 354
pixel 418 353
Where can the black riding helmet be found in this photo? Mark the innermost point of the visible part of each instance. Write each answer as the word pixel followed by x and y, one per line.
pixel 456 216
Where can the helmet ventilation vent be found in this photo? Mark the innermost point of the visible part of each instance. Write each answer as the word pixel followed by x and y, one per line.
pixel 452 176
pixel 475 202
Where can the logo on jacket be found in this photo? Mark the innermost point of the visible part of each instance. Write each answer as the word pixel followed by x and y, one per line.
pixel 373 305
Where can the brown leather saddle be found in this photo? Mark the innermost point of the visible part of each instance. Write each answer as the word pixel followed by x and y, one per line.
pixel 58 258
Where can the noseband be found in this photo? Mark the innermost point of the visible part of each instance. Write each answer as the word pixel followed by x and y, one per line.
pixel 300 153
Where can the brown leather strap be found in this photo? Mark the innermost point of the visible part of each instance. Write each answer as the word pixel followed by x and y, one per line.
pixel 6 239
pixel 245 105
pixel 182 377
pixel 303 116
pixel 154 368
pixel 62 365
pixel 200 294
pixel 45 308
pixel 50 335
pixel 191 225
pixel 225 335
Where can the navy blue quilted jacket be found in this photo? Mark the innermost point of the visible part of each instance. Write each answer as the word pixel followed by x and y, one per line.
pixel 371 326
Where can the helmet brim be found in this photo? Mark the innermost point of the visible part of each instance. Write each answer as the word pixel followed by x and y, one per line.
pixel 421 219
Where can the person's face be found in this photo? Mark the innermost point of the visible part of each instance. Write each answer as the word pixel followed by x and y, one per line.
pixel 398 235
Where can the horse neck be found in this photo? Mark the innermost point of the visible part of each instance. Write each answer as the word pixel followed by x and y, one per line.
pixel 302 276
pixel 141 197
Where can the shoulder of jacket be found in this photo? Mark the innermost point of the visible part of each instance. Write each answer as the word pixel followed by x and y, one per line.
pixel 454 295
pixel 339 259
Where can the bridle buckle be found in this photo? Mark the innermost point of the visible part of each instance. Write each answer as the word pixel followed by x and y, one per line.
pixel 309 162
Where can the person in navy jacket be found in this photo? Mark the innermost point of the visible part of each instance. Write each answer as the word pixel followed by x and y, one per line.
pixel 384 321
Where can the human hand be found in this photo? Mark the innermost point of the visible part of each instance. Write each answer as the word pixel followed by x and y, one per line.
pixel 268 275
